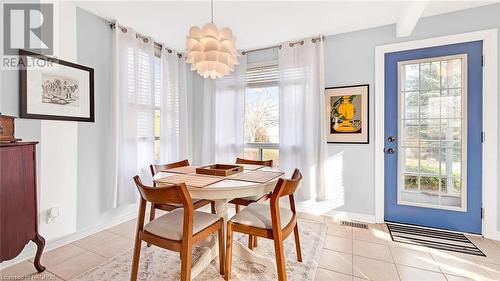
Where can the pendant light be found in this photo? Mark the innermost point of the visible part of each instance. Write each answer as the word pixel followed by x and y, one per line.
pixel 211 52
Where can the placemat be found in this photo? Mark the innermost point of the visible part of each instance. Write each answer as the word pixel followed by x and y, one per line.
pixel 183 170
pixel 251 167
pixel 190 180
pixel 257 176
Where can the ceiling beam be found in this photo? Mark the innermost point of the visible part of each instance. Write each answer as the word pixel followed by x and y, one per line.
pixel 409 17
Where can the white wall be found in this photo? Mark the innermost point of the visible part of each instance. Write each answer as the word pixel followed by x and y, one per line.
pixel 58 143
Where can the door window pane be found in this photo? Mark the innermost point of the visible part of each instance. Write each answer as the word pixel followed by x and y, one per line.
pixel 431 143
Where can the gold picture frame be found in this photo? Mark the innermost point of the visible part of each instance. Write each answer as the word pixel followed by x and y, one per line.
pixel 346 114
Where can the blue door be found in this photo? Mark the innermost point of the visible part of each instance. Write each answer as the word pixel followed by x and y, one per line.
pixel 433 136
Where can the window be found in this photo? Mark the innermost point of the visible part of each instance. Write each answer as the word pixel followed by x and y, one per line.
pixel 432 126
pixel 157 106
pixel 262 113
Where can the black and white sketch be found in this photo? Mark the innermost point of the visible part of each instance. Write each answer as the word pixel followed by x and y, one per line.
pixel 60 90
pixel 54 89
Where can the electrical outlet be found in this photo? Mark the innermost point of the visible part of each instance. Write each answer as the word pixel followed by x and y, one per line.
pixel 52 214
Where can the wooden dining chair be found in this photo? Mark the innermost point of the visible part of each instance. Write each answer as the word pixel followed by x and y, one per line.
pixel 245 201
pixel 269 221
pixel 197 203
pixel 177 230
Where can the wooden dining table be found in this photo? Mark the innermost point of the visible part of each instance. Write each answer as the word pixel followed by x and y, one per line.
pixel 221 192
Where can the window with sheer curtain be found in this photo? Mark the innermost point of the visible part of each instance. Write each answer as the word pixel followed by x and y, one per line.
pixel 262 112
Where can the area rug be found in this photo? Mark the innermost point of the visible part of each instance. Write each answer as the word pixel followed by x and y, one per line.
pixel 157 264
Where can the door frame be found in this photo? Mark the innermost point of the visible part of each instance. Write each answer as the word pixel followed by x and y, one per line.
pixel 490 105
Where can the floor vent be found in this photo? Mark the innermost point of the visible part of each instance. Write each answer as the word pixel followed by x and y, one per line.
pixel 354 224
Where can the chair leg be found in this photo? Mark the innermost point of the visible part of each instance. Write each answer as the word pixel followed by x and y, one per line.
pixel 229 251
pixel 237 208
pixel 250 241
pixel 212 208
pixel 186 260
pixel 280 259
pixel 135 260
pixel 222 251
pixel 151 217
pixel 297 242
pixel 255 241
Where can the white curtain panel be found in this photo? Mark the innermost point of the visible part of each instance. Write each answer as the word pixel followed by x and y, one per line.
pixel 230 114
pixel 224 116
pixel 133 112
pixel 302 132
pixel 173 108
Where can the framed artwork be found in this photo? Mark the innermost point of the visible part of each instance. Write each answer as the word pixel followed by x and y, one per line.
pixel 346 114
pixel 54 89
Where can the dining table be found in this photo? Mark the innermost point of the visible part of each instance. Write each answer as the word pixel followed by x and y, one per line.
pixel 221 192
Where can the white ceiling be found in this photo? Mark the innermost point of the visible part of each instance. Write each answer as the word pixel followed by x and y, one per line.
pixel 260 23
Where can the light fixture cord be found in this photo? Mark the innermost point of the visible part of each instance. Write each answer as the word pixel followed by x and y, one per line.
pixel 212 11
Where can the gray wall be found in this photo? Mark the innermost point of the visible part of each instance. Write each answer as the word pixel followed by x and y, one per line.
pixel 350 59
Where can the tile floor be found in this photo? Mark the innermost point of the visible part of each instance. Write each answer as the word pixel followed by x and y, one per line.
pixel 348 254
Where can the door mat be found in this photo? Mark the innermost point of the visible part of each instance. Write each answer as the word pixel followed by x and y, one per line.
pixel 433 238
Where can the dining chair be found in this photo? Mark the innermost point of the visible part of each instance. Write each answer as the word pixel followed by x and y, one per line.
pixel 269 221
pixel 197 203
pixel 177 230
pixel 245 201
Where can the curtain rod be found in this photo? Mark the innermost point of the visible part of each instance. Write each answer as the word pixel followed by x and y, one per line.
pixel 113 24
pixel 279 46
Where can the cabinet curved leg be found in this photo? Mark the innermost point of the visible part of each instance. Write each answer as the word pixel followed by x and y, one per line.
pixel 40 244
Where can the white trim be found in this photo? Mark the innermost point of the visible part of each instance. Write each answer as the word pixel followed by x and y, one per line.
pixel 490 118
pixel 30 250
pixel 350 216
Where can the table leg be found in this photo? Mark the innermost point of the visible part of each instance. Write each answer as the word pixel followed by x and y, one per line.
pixel 210 245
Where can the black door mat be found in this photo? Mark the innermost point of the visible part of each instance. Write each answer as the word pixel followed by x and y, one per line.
pixel 433 238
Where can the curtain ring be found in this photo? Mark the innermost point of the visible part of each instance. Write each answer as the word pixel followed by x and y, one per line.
pixel 280 46
pixel 169 51
pixel 291 44
pixel 179 55
pixel 124 30
pixel 301 42
pixel 145 40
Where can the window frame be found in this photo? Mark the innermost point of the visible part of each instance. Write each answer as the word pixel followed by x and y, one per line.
pixel 261 146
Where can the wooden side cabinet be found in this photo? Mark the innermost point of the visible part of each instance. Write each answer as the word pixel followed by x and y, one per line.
pixel 18 201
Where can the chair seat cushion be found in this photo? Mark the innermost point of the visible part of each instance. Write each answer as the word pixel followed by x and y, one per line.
pixel 170 225
pixel 259 215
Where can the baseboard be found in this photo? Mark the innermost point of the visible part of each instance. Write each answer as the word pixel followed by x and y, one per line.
pixel 351 216
pixel 30 249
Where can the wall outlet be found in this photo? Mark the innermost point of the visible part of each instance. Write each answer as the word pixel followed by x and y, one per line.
pixel 52 214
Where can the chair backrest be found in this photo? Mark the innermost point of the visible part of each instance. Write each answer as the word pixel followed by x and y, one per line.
pixel 268 163
pixel 158 168
pixel 164 194
pixel 284 187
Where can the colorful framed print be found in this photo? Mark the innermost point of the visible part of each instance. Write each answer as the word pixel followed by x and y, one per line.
pixel 346 114
pixel 54 89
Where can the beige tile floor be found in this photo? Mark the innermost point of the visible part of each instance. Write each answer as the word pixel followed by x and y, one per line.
pixel 348 254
